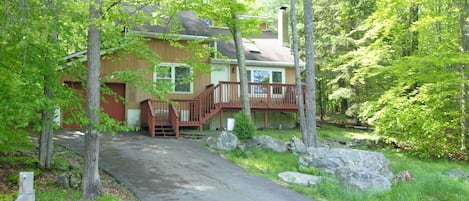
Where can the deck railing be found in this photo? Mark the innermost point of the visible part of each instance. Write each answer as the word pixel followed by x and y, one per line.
pixel 188 111
pixel 262 96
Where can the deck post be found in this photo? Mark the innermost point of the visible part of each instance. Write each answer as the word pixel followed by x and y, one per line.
pixel 220 94
pixel 269 94
pixel 221 119
pixel 266 119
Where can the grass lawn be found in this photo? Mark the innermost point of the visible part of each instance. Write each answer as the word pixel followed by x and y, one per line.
pixel 431 181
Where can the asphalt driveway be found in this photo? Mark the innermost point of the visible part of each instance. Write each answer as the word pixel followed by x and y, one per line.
pixel 177 169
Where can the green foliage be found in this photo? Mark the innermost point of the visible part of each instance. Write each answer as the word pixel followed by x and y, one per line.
pixel 60 163
pixel 8 196
pixel 244 128
pixel 424 119
pixel 14 176
pixel 308 170
pixel 12 140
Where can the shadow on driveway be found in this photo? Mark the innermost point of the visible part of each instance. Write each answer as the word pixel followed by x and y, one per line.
pixel 176 169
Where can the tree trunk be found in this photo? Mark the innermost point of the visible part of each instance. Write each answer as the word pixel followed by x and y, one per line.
pixel 464 120
pixel 414 17
pixel 310 139
pixel 343 101
pixel 320 98
pixel 243 80
pixel 91 183
pixel 46 144
pixel 464 31
pixel 299 87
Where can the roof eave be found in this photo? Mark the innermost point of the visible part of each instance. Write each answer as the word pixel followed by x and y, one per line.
pixel 171 36
pixel 256 63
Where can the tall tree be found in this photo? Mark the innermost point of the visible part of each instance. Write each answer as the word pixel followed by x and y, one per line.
pixel 91 182
pixel 30 58
pixel 235 30
pixel 464 41
pixel 414 76
pixel 296 55
pixel 46 145
pixel 310 137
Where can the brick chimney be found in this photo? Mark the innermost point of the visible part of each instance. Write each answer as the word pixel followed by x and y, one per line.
pixel 283 26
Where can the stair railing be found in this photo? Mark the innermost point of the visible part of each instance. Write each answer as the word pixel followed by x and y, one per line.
pixel 174 119
pixel 209 102
pixel 147 116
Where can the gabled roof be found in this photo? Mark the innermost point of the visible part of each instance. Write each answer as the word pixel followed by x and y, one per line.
pixel 189 22
pixel 269 48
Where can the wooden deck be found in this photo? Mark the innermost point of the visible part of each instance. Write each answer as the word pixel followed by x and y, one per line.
pixel 216 98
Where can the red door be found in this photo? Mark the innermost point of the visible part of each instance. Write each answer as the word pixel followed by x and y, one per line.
pixel 112 106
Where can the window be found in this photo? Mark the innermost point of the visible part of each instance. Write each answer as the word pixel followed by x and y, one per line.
pixel 273 76
pixel 178 76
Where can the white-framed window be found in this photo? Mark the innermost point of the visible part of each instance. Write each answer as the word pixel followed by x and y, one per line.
pixel 178 76
pixel 265 75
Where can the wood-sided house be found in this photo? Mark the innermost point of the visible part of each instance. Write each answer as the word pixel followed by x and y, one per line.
pixel 210 98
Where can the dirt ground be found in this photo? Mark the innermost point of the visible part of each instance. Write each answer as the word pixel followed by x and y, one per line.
pixel 47 180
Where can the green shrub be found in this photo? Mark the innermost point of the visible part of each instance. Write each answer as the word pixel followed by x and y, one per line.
pixel 13 178
pixel 7 196
pixel 244 128
pixel 60 163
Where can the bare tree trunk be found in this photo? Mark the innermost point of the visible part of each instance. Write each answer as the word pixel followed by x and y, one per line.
pixel 243 80
pixel 299 87
pixel 310 139
pixel 464 31
pixel 91 182
pixel 343 101
pixel 321 100
pixel 46 144
pixel 464 120
pixel 414 17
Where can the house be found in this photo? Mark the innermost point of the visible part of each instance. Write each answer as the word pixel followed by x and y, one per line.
pixel 210 98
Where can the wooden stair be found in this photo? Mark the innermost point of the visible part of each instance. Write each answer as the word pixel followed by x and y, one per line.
pixel 164 131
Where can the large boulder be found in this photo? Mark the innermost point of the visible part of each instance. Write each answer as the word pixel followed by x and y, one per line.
pixel 329 160
pixel 226 141
pixel 362 180
pixel 299 178
pixel 358 169
pixel 267 142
